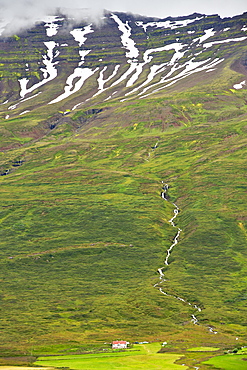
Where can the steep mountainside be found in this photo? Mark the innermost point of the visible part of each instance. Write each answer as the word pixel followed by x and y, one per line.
pixel 97 121
pixel 64 66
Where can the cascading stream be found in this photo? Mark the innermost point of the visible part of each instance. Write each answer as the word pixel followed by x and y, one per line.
pixel 162 279
pixel 158 285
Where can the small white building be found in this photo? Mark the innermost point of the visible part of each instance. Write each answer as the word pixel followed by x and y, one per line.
pixel 119 344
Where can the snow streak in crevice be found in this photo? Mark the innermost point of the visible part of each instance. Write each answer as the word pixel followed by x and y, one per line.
pixel 49 72
pixel 102 81
pixel 11 107
pixel 156 69
pixel 131 54
pixel 167 24
pixel 79 34
pixel 186 69
pixel 207 33
pixel 126 40
pixel 51 26
pixel 190 67
pixel 210 44
pixel 80 75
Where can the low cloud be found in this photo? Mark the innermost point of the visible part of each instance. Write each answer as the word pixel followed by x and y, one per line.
pixel 22 14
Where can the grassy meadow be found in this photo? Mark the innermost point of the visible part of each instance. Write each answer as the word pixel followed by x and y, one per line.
pixel 228 362
pixel 140 357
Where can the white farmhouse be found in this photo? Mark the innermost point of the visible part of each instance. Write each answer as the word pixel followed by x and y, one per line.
pixel 119 344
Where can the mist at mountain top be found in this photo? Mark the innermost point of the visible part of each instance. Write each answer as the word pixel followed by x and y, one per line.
pixel 22 14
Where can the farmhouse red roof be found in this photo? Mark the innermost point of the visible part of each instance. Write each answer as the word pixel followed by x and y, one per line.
pixel 119 341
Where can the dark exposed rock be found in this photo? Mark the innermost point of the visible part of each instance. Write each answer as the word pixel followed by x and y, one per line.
pixel 5 173
pixel 17 163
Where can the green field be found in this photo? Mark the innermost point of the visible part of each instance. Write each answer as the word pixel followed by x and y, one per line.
pixel 141 357
pixel 228 362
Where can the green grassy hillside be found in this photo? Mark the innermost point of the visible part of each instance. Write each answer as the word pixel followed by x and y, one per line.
pixel 84 228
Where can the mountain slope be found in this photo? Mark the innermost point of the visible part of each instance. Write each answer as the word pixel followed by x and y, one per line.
pixel 84 229
pixel 65 66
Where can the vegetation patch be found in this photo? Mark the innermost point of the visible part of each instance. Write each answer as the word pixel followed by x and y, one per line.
pixel 228 362
pixel 203 349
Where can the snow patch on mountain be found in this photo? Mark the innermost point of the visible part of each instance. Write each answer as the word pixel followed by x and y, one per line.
pixel 207 33
pixel 102 81
pixel 190 68
pixel 240 85
pixel 155 69
pixel 130 70
pixel 138 67
pixel 79 34
pixel 127 42
pixel 83 74
pixel 132 53
pixel 109 97
pixel 51 26
pixel 11 107
pixel 49 72
pixel 79 73
pixel 83 54
pixel 210 44
pixel 176 46
pixel 24 112
pixel 167 24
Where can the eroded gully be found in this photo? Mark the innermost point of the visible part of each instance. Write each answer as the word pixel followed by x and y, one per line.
pixel 162 278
